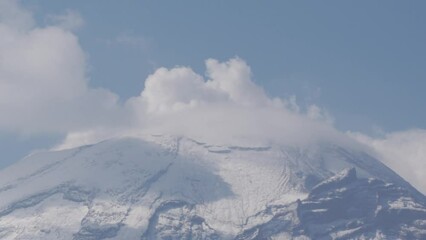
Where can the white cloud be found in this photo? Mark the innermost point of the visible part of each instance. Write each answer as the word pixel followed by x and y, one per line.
pixel 233 78
pixel 224 106
pixel 404 152
pixel 180 87
pixel 43 83
pixel 173 89
pixel 317 113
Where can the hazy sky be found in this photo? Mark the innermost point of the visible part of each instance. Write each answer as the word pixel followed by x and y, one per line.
pixel 362 62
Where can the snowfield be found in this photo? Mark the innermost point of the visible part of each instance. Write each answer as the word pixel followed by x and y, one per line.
pixel 165 187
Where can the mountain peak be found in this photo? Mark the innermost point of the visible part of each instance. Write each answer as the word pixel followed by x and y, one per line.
pixel 164 187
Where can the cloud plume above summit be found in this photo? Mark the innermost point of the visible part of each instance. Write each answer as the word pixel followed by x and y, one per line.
pixel 223 104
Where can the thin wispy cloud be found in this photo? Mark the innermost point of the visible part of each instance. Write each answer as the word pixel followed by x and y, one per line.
pixel 403 151
pixel 70 20
pixel 128 40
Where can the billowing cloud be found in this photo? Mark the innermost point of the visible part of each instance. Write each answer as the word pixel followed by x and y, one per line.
pixel 180 87
pixel 43 82
pixel 224 106
pixel 404 152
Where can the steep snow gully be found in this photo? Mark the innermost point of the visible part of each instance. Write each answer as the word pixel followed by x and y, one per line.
pixel 165 187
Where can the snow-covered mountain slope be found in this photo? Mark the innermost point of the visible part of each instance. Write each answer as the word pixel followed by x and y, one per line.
pixel 177 188
pixel 345 207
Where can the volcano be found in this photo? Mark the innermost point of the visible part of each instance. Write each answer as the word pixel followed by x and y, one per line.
pixel 169 187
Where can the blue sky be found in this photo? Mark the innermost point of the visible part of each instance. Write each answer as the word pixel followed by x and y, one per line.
pixel 364 62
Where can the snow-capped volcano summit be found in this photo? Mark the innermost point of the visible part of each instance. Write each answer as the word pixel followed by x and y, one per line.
pixel 164 187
